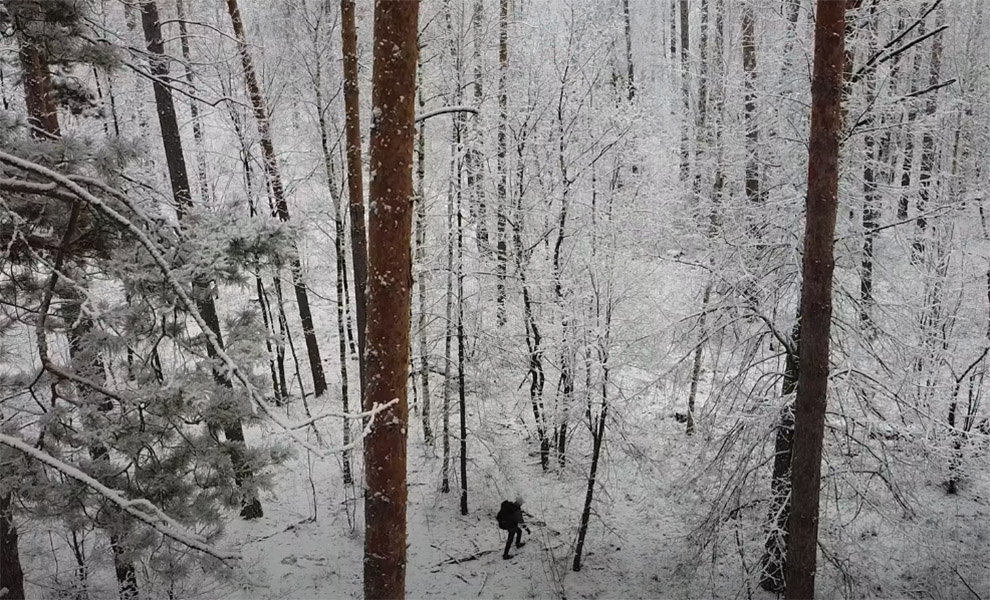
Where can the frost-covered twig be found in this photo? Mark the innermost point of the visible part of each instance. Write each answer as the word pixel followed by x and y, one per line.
pixel 141 509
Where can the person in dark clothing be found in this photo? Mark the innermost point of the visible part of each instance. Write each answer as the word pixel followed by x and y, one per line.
pixel 510 518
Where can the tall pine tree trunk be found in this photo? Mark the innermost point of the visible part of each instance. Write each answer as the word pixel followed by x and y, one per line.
pixel 390 224
pixel 816 297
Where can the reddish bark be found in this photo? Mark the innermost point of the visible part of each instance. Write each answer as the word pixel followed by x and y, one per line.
pixel 390 228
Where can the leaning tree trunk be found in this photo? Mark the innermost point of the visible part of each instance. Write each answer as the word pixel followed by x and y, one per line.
pixel 816 297
pixel 205 305
pixel 278 191
pixel 355 183
pixel 390 224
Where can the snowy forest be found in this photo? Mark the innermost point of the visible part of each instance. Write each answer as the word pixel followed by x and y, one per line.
pixel 297 297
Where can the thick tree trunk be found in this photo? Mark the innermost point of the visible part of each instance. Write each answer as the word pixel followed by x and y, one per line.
pixel 278 191
pixel 816 297
pixel 355 176
pixel 179 179
pixel 390 225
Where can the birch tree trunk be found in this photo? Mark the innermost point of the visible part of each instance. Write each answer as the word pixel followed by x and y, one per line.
pixel 389 260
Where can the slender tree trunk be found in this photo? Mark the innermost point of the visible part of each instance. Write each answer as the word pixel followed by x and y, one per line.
pixel 598 438
pixel 927 178
pixel 696 367
pixel 179 179
pixel 197 119
pixel 389 260
pixel 355 183
pixel 630 71
pixel 461 399
pixel 472 158
pixel 278 191
pixel 566 354
pixel 775 549
pixel 702 144
pixel 753 193
pixel 685 92
pixel 502 162
pixel 871 197
pixel 420 256
pixel 341 262
pixel 534 340
pixel 816 297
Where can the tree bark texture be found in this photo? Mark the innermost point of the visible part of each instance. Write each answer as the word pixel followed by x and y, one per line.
pixel 816 297
pixel 389 260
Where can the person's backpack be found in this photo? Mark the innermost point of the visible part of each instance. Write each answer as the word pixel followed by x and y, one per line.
pixel 506 515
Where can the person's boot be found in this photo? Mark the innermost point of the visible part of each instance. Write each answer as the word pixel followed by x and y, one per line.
pixel 506 556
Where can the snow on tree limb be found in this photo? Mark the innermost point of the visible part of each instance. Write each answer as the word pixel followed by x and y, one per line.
pixel 141 509
pixel 445 110
pixel 157 253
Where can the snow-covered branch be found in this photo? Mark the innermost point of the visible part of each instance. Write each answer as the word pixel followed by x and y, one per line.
pixel 141 509
pixel 157 253
pixel 445 110
pixel 342 415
